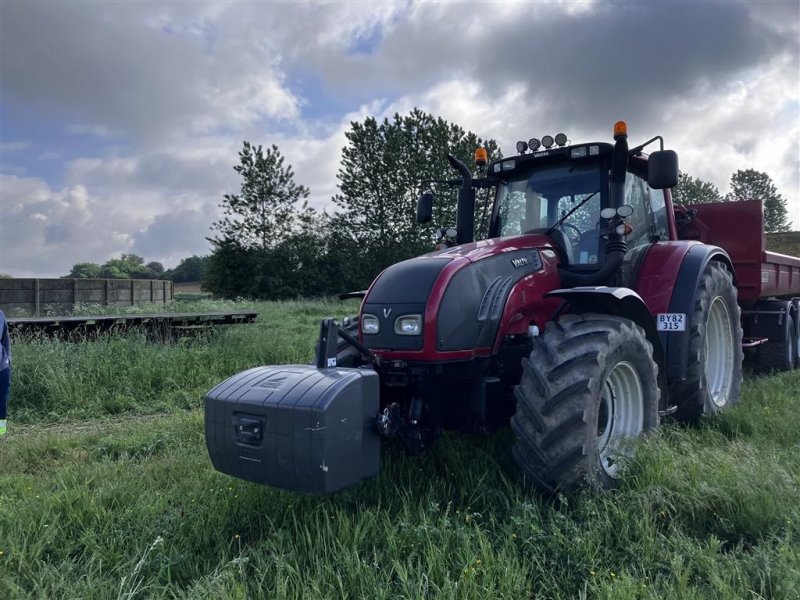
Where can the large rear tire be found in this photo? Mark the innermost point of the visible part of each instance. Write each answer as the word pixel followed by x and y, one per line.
pixel 714 372
pixel 587 389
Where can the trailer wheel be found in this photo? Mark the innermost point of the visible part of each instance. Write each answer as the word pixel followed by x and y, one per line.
pixel 779 355
pixel 588 388
pixel 797 348
pixel 714 372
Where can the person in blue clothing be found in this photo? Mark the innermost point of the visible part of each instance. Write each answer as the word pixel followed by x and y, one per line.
pixel 5 371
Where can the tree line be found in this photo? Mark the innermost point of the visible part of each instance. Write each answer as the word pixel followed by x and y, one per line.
pixel 745 185
pixel 131 266
pixel 269 243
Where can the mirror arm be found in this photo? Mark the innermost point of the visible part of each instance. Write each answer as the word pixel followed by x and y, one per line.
pixel 638 149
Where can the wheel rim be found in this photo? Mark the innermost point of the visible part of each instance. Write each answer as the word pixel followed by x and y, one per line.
pixel 719 352
pixel 620 416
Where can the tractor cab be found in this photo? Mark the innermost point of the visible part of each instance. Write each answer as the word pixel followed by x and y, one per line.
pixel 583 196
pixel 554 195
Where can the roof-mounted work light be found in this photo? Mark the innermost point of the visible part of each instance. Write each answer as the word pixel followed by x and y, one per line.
pixel 547 141
pixel 522 146
pixel 534 144
pixel 561 139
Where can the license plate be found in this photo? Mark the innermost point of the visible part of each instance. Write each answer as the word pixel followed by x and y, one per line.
pixel 671 321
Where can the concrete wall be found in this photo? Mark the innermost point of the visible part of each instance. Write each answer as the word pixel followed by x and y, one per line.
pixel 39 297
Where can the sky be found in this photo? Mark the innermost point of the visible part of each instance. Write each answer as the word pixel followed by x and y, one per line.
pixel 120 122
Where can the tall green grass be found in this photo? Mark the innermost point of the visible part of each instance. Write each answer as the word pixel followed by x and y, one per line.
pixel 128 505
pixel 56 381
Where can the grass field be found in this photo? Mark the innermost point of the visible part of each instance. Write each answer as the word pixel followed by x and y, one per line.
pixel 785 243
pixel 106 491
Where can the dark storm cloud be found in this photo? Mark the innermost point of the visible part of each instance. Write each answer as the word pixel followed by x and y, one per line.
pixel 584 65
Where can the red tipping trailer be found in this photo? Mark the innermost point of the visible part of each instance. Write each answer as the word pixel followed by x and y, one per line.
pixel 768 283
pixel 738 228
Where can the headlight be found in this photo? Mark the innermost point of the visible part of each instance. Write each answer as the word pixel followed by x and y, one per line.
pixel 408 325
pixel 370 324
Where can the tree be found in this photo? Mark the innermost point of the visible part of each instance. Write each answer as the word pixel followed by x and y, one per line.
pixel 232 270
pixel 384 167
pixel 85 270
pixel 156 269
pixel 269 242
pixel 695 191
pixel 750 184
pixel 262 213
pixel 192 268
pixel 128 266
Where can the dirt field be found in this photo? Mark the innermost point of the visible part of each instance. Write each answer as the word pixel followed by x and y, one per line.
pixel 187 287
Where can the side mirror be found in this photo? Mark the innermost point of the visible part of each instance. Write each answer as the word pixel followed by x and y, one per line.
pixel 425 208
pixel 662 169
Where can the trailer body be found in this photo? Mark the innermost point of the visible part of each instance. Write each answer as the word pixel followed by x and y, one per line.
pixel 738 228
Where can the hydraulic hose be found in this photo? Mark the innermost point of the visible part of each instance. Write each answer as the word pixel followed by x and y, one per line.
pixel 615 251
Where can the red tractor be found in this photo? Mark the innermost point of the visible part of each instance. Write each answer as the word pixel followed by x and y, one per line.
pixel 593 308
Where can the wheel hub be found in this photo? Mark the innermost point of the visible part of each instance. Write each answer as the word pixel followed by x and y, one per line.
pixel 620 416
pixel 719 352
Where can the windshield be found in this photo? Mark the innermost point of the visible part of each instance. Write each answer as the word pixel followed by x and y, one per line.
pixel 536 202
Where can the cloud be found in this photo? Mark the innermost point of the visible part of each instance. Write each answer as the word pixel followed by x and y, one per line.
pixel 173 236
pixel 161 70
pixel 63 226
pixel 153 99
pixel 98 131
pixel 125 67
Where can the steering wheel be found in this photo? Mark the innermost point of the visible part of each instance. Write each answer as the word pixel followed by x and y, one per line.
pixel 575 234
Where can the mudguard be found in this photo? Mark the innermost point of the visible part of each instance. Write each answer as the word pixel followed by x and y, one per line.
pixel 295 427
pixel 684 295
pixel 622 302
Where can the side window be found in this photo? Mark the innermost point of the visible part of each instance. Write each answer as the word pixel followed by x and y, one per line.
pixel 512 213
pixel 521 212
pixel 637 196
pixel 659 209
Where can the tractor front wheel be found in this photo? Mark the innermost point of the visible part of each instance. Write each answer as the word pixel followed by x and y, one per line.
pixel 714 372
pixel 587 390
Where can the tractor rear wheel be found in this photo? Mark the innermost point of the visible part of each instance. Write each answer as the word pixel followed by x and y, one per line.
pixel 714 372
pixel 588 388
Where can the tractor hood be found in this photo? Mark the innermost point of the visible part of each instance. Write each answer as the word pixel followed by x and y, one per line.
pixel 458 294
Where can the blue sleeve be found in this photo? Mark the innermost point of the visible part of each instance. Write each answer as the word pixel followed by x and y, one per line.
pixel 5 343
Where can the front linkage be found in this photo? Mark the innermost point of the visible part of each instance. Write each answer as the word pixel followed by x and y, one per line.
pixel 390 423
